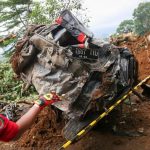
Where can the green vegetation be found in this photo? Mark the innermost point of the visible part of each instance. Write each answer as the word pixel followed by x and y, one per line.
pixel 17 14
pixel 14 13
pixel 142 18
pixel 140 24
pixel 126 26
pixel 10 88
pixel 7 42
pixel 46 12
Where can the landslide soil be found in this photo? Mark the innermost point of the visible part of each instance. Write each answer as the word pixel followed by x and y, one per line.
pixel 45 133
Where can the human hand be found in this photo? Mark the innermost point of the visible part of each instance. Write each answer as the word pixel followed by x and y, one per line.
pixel 47 99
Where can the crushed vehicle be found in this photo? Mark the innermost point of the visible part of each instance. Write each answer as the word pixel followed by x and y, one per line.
pixel 88 75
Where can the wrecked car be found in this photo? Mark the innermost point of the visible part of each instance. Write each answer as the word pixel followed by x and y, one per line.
pixel 88 75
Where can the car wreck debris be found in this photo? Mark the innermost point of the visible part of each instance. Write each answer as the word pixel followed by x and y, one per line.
pixel 65 57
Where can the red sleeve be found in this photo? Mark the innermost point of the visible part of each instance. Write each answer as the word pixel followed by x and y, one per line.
pixel 8 129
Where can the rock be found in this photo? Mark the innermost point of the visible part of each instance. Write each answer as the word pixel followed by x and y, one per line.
pixel 141 130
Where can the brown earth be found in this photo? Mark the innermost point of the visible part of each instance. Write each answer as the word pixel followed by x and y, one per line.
pixel 45 133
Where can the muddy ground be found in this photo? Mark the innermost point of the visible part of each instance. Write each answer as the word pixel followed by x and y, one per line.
pixel 45 133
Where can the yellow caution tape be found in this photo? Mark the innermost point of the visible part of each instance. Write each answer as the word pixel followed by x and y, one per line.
pixel 67 144
pixel 93 123
pixel 81 132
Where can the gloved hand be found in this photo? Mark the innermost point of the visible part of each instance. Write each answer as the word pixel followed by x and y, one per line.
pixel 47 99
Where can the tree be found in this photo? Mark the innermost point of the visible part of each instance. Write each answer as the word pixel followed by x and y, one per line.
pixel 43 13
pixel 19 13
pixel 142 18
pixel 46 12
pixel 125 26
pixel 14 13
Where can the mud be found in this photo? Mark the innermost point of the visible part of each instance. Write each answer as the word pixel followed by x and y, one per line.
pixel 45 132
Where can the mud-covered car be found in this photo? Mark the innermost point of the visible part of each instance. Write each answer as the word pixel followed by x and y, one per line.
pixel 88 75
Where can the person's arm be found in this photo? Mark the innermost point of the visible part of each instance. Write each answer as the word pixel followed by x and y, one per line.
pixel 12 131
pixel 27 120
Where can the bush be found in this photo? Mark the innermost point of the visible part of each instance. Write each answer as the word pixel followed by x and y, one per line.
pixel 11 88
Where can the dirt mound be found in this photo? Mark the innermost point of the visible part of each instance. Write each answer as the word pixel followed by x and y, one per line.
pixel 44 134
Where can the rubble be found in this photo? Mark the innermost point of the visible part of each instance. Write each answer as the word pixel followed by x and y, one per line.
pixel 130 37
